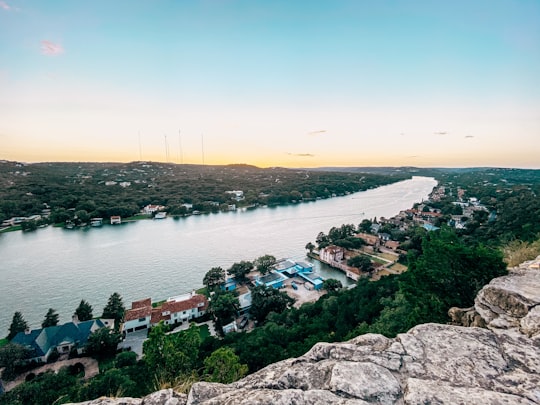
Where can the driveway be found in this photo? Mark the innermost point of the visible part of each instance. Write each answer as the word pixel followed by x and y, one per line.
pixel 134 340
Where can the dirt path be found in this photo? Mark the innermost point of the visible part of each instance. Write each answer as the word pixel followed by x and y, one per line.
pixel 91 368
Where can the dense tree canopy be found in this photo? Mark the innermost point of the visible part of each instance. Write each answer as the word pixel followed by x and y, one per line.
pixel 223 366
pixel 264 263
pixel 240 270
pixel 213 278
pixel 267 299
pixel 102 342
pixel 171 356
pixel 224 306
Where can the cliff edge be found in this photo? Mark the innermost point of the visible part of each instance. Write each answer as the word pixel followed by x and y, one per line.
pixel 493 359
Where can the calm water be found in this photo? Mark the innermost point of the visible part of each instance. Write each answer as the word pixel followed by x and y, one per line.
pixel 56 268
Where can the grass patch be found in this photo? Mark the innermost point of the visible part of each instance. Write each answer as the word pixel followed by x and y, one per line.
pixel 398 267
pixel 377 260
pixel 203 291
pixel 137 217
pixel 11 229
pixel 158 304
pixel 517 252
pixel 3 342
pixel 204 331
pixel 388 256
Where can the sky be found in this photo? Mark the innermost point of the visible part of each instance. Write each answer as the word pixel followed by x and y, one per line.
pixel 272 83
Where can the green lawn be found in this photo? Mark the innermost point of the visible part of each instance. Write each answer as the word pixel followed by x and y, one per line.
pixel 11 229
pixel 5 341
pixel 204 331
pixel 203 291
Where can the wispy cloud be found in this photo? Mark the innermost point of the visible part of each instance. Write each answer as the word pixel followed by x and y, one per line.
pixel 5 6
pixel 322 131
pixel 469 136
pixel 301 154
pixel 50 48
pixel 440 133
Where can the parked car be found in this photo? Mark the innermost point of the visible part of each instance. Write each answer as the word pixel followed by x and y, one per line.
pixel 243 322
pixel 293 285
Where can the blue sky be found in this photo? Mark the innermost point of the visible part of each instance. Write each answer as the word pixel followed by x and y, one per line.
pixel 300 84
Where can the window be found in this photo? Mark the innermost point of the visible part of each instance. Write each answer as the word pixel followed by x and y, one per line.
pixel 142 319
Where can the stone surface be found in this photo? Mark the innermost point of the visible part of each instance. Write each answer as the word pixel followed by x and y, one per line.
pixel 430 364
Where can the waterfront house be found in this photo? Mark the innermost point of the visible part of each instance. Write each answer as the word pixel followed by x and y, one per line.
pixel 151 208
pixel 139 316
pixel 96 221
pixel 228 285
pixel 62 338
pixel 273 279
pixel 314 279
pixel 116 219
pixel 174 310
pixel 237 195
pixel 335 257
pixel 332 253
pixel 292 268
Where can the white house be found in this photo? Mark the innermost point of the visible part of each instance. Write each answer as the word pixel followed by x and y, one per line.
pixel 175 310
pixel 151 208
pixel 139 316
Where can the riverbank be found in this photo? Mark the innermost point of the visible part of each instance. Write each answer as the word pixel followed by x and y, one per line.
pixel 164 257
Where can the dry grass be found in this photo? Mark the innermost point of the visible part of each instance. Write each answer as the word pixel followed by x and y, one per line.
pixel 517 252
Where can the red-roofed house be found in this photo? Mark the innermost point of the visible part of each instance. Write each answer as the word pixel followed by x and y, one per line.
pixel 181 309
pixel 173 311
pixel 138 317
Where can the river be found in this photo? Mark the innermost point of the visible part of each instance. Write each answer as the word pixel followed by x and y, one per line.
pixel 56 268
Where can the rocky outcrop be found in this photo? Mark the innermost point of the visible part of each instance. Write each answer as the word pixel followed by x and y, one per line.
pixel 430 364
pixel 511 302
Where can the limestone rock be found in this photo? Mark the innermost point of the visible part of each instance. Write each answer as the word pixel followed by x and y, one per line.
pixel 163 397
pixel 505 301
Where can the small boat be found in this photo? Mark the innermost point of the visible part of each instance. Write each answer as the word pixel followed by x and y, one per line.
pixel 160 215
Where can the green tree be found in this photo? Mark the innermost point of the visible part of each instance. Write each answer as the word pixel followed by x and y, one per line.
pixel 223 366
pixel 18 324
pixel 264 263
pixel 84 311
pixel 267 299
pixel 362 262
pixel 102 342
pixel 240 270
pixel 12 356
pixel 214 277
pixel 224 306
pixel 51 319
pixel 111 383
pixel 29 225
pixel 310 246
pixel 332 285
pixel 171 356
pixel 114 309
pixel 365 226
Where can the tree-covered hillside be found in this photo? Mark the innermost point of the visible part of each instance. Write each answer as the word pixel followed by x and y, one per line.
pixel 104 189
